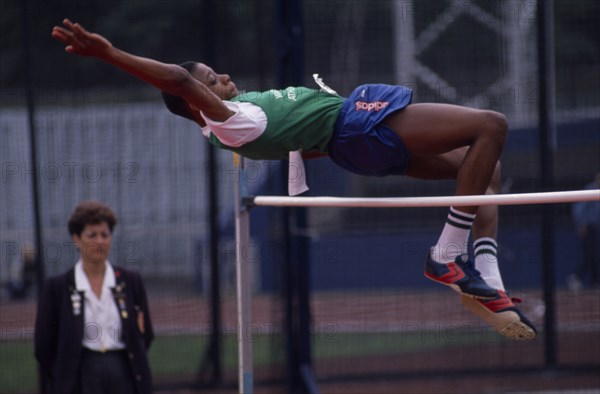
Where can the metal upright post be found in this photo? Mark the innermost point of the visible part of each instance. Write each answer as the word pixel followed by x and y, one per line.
pixel 243 281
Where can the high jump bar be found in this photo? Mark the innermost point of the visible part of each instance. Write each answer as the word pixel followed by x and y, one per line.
pixel 440 201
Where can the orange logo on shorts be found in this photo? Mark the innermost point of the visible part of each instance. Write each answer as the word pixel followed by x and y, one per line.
pixel 371 106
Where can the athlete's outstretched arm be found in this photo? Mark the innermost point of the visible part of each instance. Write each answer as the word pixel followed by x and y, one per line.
pixel 169 78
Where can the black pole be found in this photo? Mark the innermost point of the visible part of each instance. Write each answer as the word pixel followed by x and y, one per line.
pixel 39 250
pixel 291 349
pixel 211 363
pixel 547 130
pixel 290 42
pixel 215 288
pixel 304 316
pixel 282 55
pixel 290 71
pixel 29 97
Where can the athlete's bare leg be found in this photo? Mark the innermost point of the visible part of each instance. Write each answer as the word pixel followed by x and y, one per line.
pixel 452 142
pixel 431 130
pixel 446 166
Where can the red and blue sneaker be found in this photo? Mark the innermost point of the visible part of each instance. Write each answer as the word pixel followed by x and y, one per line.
pixel 460 275
pixel 502 313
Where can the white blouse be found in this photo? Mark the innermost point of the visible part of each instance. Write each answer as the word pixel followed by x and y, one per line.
pixel 102 324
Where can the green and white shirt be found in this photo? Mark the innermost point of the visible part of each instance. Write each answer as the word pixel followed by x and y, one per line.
pixel 268 125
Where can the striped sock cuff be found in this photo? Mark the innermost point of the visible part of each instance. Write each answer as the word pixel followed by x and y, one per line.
pixel 485 245
pixel 460 219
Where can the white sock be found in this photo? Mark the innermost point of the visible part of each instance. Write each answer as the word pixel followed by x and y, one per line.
pixel 454 238
pixel 486 261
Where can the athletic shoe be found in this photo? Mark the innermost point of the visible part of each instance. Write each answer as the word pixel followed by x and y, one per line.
pixel 502 313
pixel 460 275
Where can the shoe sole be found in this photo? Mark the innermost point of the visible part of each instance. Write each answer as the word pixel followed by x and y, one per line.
pixel 507 323
pixel 457 288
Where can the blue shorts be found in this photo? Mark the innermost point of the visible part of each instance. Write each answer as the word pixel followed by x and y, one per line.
pixel 360 142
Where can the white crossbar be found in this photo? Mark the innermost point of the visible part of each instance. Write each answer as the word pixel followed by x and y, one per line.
pixel 496 199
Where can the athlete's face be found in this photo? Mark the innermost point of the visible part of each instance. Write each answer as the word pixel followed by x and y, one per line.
pixel 219 84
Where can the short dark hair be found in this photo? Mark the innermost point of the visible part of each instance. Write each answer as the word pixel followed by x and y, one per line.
pixel 176 104
pixel 91 212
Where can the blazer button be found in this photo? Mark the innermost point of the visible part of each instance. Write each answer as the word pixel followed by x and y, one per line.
pixel 131 356
pixel 138 377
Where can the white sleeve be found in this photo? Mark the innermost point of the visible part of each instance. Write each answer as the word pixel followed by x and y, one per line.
pixel 247 124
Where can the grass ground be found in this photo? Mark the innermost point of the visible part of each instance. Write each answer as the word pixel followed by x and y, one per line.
pixel 181 355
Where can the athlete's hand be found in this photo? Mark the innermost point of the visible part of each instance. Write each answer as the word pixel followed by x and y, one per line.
pixel 80 41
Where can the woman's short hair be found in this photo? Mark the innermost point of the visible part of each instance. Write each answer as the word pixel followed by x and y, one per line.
pixel 176 104
pixel 91 212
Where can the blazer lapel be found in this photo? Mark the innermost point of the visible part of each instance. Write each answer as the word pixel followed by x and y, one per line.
pixel 76 307
pixel 120 296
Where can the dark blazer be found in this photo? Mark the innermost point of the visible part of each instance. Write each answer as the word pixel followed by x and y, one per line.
pixel 59 331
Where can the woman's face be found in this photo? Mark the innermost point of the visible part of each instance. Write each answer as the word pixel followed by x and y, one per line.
pixel 94 242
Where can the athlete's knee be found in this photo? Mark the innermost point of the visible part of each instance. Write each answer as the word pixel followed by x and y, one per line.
pixel 495 123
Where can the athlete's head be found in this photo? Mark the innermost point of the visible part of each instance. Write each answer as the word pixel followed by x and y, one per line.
pixel 220 84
